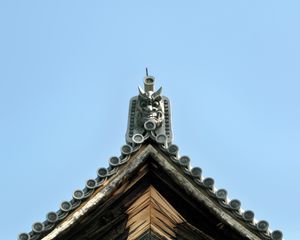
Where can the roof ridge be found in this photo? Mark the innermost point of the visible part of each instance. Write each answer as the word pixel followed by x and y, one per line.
pixel 150 118
pixel 39 229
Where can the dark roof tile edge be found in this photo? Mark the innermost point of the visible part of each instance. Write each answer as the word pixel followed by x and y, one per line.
pixel 40 229
pixel 220 195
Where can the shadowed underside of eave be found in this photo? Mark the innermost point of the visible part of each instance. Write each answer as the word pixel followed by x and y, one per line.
pixel 148 201
pixel 153 213
pixel 149 216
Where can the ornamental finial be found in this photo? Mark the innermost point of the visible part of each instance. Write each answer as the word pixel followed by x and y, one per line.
pixel 149 115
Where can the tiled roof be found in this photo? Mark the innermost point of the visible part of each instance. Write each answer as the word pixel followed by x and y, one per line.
pixel 261 228
pixel 150 118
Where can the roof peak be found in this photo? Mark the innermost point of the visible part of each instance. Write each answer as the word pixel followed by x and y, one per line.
pixel 149 115
pixel 150 119
pixel 177 168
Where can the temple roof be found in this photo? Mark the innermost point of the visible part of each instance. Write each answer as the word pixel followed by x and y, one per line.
pixel 149 142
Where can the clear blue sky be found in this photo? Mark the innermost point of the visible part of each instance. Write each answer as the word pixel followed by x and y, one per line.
pixel 69 68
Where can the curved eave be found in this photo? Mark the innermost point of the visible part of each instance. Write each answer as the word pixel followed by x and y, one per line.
pixel 177 168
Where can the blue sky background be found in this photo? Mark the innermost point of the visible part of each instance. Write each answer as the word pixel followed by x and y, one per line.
pixel 69 68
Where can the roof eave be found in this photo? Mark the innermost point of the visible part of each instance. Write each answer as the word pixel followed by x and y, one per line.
pixel 135 162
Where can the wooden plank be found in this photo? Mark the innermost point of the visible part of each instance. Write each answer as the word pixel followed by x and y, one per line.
pixel 126 206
